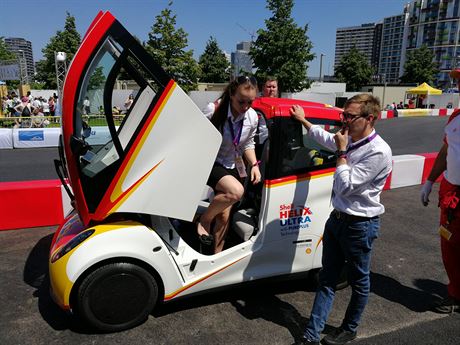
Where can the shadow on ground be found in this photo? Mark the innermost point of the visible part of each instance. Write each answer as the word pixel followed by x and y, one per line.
pixel 249 304
pixel 418 300
pixel 36 275
pixel 253 302
pixel 247 299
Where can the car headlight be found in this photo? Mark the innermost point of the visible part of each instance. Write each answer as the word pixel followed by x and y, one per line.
pixel 72 244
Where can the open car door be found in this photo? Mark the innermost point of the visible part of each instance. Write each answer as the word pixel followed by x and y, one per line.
pixel 154 157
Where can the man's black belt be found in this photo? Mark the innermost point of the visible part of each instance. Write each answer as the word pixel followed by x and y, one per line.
pixel 349 217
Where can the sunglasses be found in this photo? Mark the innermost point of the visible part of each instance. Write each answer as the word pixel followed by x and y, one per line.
pixel 243 102
pixel 347 116
pixel 243 79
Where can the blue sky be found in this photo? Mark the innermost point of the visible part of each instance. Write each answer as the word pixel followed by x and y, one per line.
pixel 223 19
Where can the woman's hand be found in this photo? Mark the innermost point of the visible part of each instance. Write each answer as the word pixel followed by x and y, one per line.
pixel 255 174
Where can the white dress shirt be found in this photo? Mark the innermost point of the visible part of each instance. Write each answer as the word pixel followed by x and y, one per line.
pixel 358 184
pixel 209 109
pixel 452 131
pixel 227 152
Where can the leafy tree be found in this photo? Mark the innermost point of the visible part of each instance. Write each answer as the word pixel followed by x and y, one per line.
pixel 5 54
pixel 37 86
pixel 167 46
pixel 213 63
pixel 66 41
pixel 97 79
pixel 283 49
pixel 354 69
pixel 420 66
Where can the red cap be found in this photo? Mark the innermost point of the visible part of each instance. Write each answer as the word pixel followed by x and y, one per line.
pixel 455 73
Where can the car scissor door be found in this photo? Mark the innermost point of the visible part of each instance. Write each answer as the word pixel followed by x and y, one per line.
pixel 152 156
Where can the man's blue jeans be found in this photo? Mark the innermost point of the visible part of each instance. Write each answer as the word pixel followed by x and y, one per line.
pixel 350 242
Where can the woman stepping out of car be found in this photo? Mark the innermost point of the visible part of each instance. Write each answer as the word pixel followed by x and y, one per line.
pixel 237 122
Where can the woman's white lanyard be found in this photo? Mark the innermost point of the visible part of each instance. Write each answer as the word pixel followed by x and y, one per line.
pixel 239 163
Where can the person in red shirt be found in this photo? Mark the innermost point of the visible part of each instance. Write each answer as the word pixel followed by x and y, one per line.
pixel 448 163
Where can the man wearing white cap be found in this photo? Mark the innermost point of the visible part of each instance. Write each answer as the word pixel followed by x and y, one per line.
pixel 448 162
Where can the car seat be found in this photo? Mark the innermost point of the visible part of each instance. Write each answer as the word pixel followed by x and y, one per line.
pixel 245 220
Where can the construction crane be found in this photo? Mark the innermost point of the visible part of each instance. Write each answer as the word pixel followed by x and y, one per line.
pixel 251 33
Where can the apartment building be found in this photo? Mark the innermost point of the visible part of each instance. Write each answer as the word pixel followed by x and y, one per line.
pixel 392 41
pixel 240 59
pixel 436 24
pixel 23 50
pixel 362 37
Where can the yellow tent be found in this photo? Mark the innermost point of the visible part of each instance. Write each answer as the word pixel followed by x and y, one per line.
pixel 424 89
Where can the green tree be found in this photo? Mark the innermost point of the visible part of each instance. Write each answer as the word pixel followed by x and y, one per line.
pixel 167 46
pixel 283 49
pixel 66 41
pixel 419 66
pixel 213 63
pixel 354 69
pixel 97 79
pixel 5 54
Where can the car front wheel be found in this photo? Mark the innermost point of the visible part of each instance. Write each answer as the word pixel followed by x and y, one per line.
pixel 116 296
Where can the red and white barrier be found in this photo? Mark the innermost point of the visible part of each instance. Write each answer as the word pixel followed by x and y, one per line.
pixel 388 114
pixel 6 138
pixel 410 170
pixel 29 204
pixel 45 203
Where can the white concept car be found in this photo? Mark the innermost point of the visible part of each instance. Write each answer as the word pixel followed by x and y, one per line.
pixel 137 180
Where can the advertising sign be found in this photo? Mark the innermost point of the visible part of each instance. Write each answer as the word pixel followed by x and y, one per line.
pixel 9 72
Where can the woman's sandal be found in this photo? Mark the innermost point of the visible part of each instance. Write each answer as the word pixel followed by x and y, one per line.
pixel 205 239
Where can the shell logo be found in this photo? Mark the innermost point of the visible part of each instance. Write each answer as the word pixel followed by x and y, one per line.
pixel 308 251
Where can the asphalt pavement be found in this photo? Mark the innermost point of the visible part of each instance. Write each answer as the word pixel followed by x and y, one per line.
pixel 407 277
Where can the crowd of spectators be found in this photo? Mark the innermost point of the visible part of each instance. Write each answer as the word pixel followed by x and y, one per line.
pixel 34 110
pixel 395 106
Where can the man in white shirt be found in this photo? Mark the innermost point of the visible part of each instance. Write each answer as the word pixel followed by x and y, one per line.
pixel 448 163
pixel 86 106
pixel 363 166
pixel 36 103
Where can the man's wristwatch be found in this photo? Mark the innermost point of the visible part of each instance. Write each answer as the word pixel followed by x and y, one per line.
pixel 340 154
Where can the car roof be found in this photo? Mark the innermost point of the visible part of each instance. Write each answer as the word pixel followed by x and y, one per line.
pixel 279 107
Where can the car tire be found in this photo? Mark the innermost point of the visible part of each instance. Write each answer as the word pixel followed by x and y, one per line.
pixel 116 297
pixel 341 284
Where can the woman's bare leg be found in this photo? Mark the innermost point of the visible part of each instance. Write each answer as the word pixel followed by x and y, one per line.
pixel 229 191
pixel 221 227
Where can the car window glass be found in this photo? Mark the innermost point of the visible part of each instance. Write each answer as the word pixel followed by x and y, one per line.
pixel 116 95
pixel 131 99
pixel 300 153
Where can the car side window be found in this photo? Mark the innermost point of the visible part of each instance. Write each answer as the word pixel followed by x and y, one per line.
pixel 296 152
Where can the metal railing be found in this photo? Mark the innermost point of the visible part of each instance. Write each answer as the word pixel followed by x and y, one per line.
pixel 53 121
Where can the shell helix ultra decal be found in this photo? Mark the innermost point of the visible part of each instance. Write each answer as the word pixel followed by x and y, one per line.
pixel 294 218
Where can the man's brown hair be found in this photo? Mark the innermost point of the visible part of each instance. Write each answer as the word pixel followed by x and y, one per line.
pixel 370 105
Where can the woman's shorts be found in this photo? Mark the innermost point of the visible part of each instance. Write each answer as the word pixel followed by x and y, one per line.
pixel 218 171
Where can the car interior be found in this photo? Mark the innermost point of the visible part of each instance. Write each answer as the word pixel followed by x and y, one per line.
pixel 295 153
